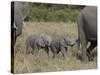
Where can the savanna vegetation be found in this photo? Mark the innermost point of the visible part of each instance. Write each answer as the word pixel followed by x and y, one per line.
pixel 53 12
pixel 52 19
pixel 41 62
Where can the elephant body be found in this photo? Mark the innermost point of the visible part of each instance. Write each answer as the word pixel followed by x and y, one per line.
pixel 60 44
pixel 87 30
pixel 36 41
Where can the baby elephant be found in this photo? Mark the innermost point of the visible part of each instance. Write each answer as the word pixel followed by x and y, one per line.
pixel 36 41
pixel 60 44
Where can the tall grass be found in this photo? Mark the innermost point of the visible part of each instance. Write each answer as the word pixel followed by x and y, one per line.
pixel 41 62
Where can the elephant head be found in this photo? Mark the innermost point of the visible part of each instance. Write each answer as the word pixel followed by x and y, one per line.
pixel 19 11
pixel 69 41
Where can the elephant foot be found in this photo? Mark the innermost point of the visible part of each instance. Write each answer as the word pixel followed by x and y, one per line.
pixel 82 58
pixel 85 59
pixel 90 57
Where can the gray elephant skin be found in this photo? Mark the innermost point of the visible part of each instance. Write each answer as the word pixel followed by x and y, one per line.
pixel 87 30
pixel 60 44
pixel 19 11
pixel 36 41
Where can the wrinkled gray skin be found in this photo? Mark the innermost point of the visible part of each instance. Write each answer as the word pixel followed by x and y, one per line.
pixel 19 11
pixel 60 44
pixel 36 41
pixel 87 29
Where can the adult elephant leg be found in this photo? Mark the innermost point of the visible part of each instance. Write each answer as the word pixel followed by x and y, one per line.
pixel 83 42
pixel 82 36
pixel 84 51
pixel 90 48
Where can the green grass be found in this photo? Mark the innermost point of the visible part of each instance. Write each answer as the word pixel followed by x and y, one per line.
pixel 41 62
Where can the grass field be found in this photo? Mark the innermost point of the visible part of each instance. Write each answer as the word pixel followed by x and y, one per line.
pixel 41 62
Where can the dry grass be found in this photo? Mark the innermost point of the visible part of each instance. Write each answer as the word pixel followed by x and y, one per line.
pixel 41 62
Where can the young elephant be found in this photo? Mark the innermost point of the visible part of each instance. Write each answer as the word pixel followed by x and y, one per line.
pixel 60 44
pixel 36 41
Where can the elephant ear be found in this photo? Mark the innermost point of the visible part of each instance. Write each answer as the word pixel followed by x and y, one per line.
pixel 46 39
pixel 69 41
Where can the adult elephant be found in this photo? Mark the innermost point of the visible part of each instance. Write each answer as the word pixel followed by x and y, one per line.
pixel 19 11
pixel 87 30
